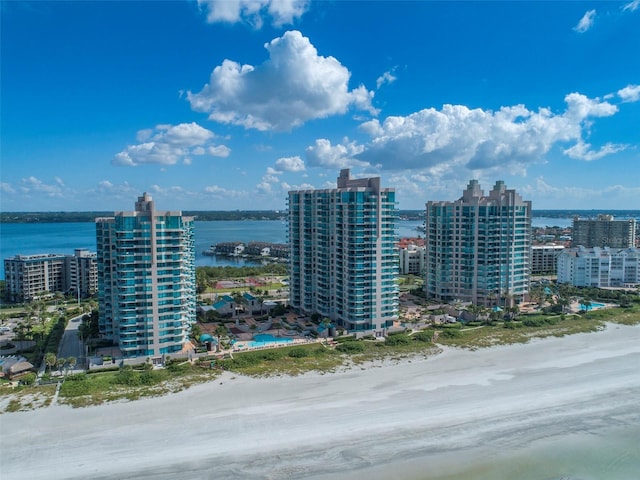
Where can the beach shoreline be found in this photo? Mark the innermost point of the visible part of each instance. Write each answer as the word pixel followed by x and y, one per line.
pixel 419 416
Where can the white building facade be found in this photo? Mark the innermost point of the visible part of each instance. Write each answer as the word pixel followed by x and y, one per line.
pixel 344 265
pixel 29 277
pixel 599 267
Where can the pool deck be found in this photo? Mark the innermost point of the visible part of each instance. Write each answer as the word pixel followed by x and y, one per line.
pixel 576 307
pixel 241 342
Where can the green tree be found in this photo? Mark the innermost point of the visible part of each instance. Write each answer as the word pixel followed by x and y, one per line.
pixel 202 282
pixel 50 360
pixel 196 331
pixel 71 362
pixel 221 331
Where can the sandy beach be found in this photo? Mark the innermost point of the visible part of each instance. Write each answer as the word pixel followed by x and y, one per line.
pixel 553 408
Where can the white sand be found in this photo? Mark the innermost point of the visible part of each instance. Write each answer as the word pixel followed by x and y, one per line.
pixel 419 418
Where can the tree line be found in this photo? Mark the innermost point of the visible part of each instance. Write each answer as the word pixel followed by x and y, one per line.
pixel 67 217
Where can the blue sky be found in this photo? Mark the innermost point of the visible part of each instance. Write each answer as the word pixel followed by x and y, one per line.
pixel 229 105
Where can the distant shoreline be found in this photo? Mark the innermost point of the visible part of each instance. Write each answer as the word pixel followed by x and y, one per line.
pixel 221 215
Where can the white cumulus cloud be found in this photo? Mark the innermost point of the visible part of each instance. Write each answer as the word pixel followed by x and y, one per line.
pixel 170 144
pixel 574 196
pixel 583 151
pixel 6 188
pixel 586 22
pixel 630 93
pixel 293 86
pixel 342 155
pixel 223 193
pixel 33 184
pixel 456 141
pixel 254 12
pixel 290 164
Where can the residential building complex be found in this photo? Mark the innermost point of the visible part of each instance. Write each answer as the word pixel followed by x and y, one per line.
pixel 344 265
pixel 599 267
pixel 146 279
pixel 604 231
pixel 478 248
pixel 28 277
pixel 544 259
pixel 412 256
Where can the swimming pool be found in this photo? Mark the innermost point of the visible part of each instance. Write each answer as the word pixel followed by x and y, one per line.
pixel 262 339
pixel 592 306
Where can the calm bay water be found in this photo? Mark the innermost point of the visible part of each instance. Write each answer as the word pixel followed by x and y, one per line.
pixel 35 238
pixel 31 239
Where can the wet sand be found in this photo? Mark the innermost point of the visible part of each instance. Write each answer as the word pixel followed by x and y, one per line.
pixel 553 408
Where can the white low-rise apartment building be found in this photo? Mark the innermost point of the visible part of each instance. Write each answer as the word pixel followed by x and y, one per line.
pixel 599 267
pixel 29 277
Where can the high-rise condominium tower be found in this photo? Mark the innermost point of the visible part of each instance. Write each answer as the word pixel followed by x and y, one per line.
pixel 604 231
pixel 479 247
pixel 342 256
pixel 146 279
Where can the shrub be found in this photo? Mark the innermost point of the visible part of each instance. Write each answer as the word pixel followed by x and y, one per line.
pixel 450 333
pixel 75 385
pixel 539 322
pixel 423 336
pixel 351 347
pixel 149 377
pixel 270 355
pixel 533 322
pixel 298 352
pixel 127 376
pixel 28 379
pixel 347 338
pixel 398 339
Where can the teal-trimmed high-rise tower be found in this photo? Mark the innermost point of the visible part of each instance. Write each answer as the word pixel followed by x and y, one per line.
pixel 343 260
pixel 146 279
pixel 478 248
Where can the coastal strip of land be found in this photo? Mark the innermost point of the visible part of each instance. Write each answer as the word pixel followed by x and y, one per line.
pixel 460 414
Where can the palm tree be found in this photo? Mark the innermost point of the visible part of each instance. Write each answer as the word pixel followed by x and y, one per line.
pixel 586 304
pixel 221 331
pixel 71 361
pixel 50 360
pixel 196 331
pixel 564 302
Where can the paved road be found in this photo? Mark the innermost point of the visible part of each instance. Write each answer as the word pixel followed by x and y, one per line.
pixel 71 345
